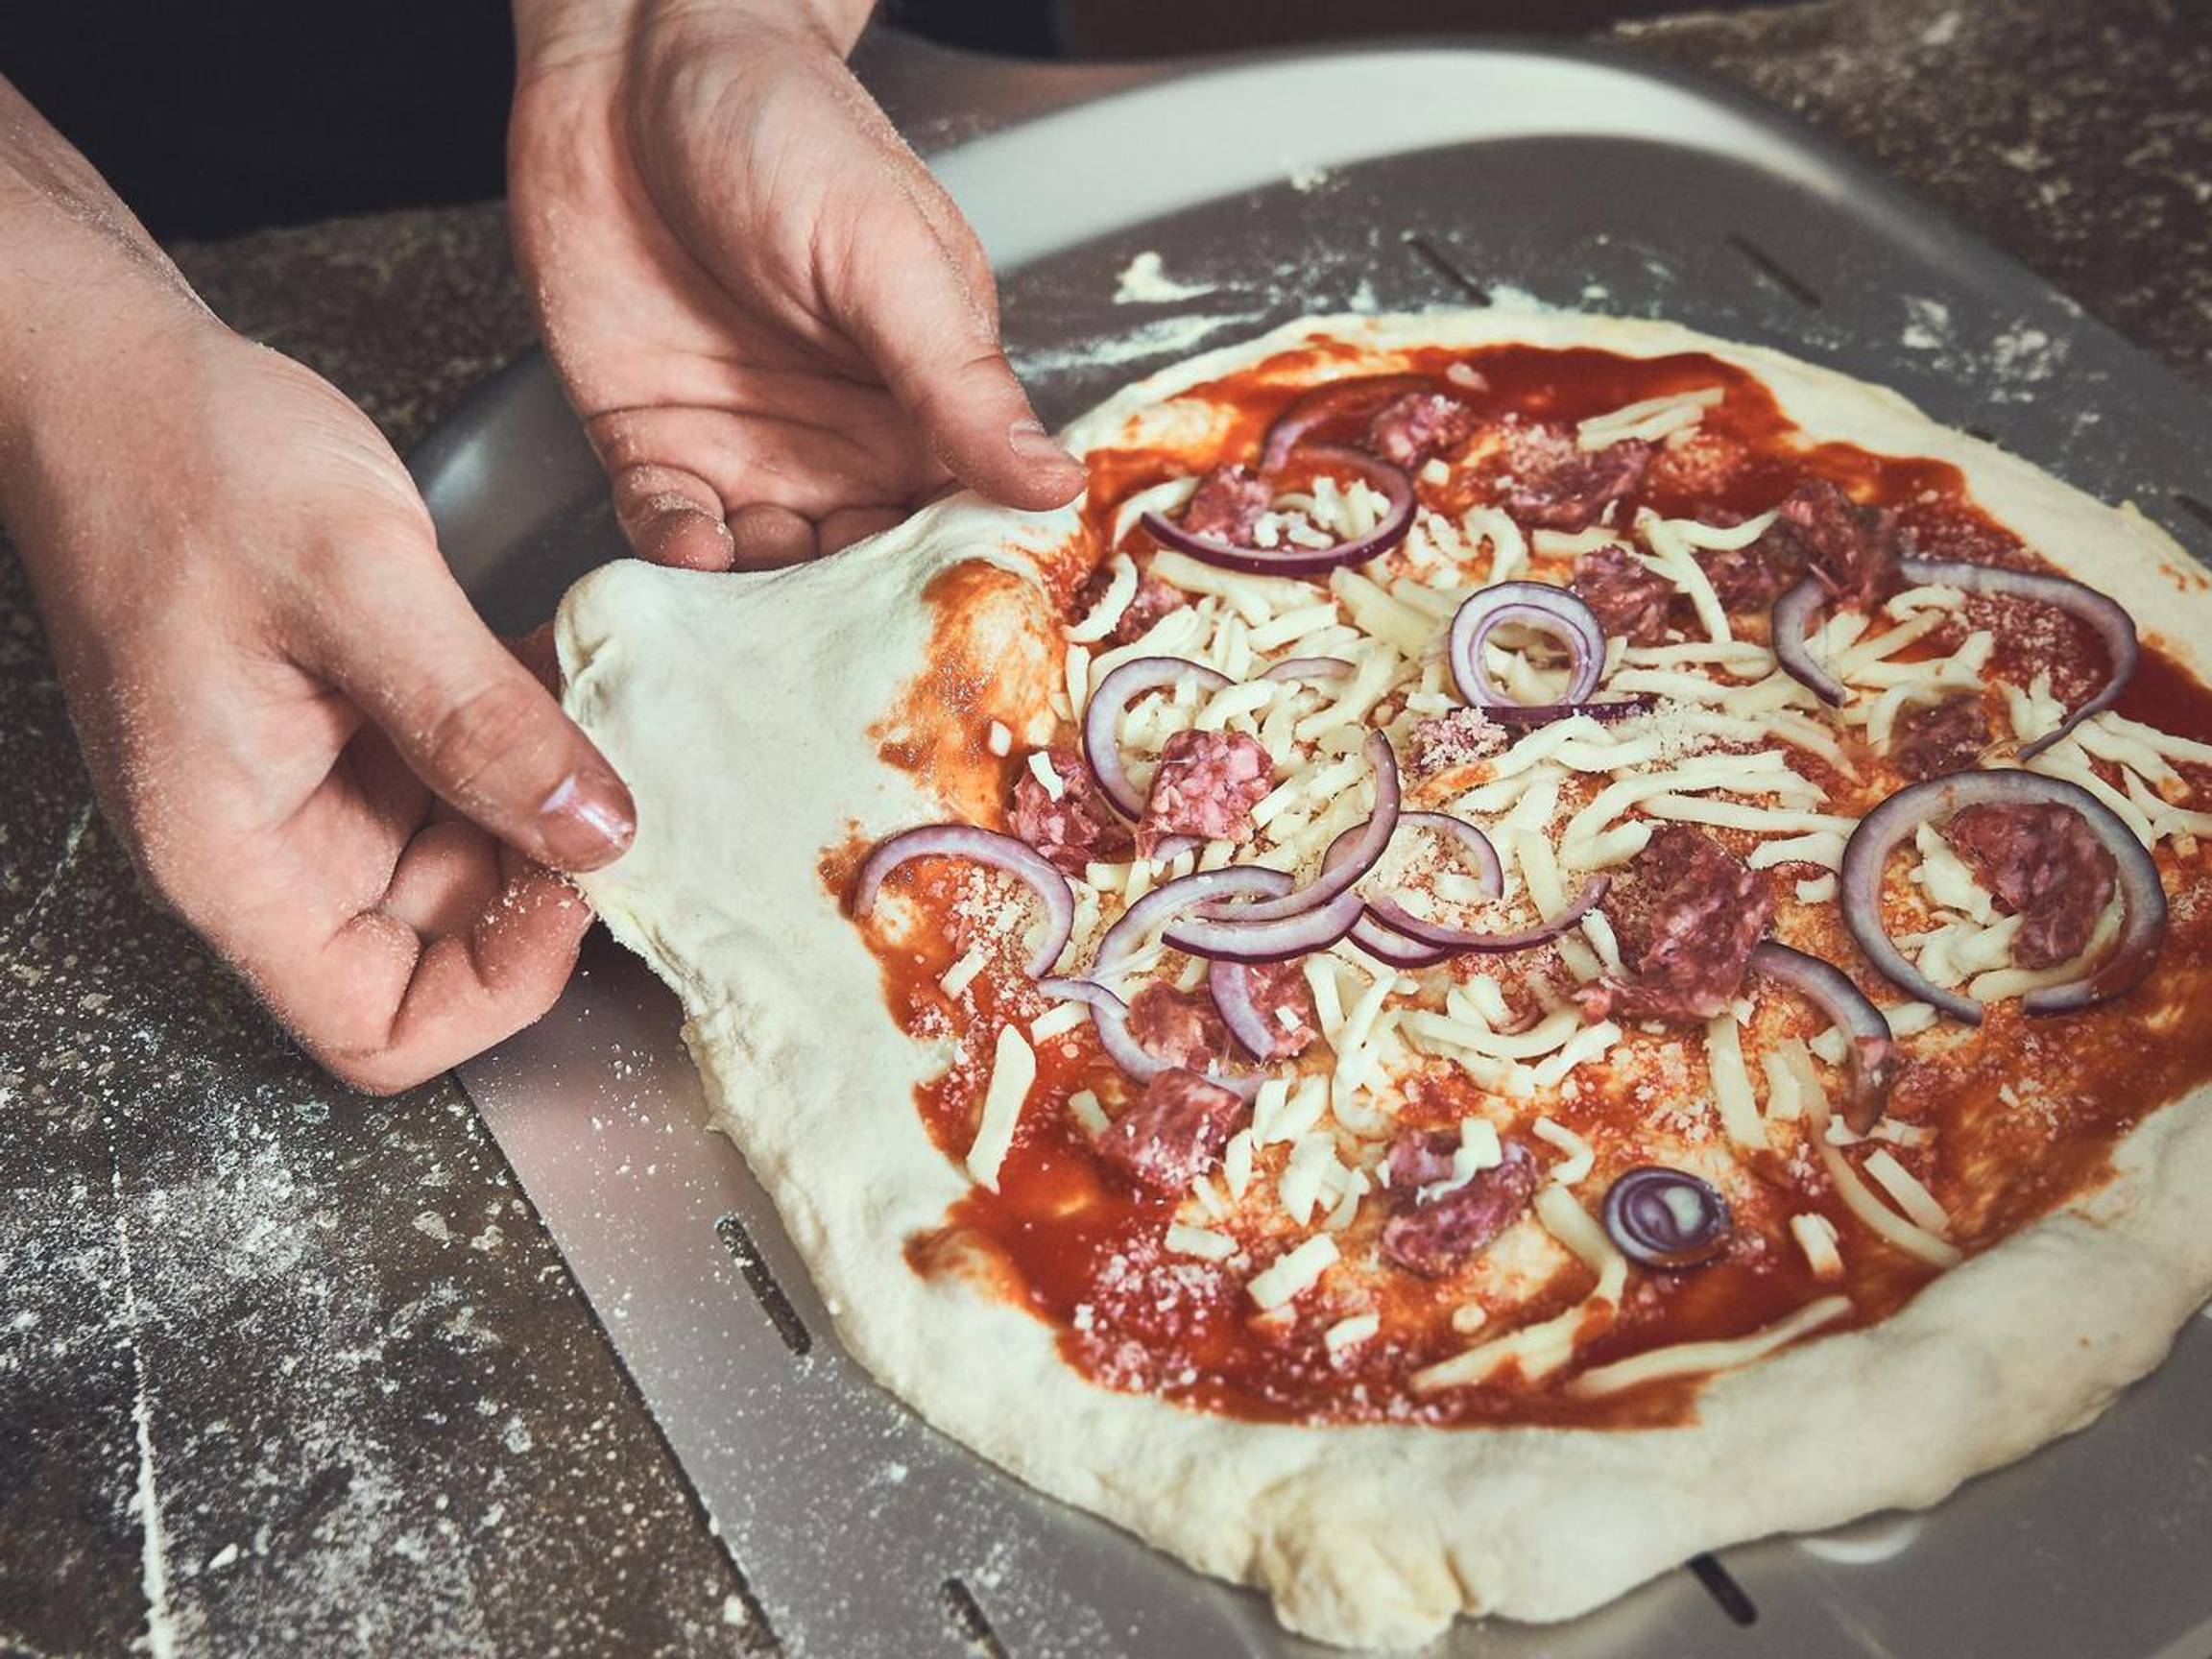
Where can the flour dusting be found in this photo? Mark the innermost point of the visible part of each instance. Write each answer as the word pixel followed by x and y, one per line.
pixel 1144 282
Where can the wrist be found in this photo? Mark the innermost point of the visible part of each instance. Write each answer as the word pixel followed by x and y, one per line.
pixel 94 306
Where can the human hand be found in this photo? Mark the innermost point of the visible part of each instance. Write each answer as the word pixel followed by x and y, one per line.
pixel 779 330
pixel 315 752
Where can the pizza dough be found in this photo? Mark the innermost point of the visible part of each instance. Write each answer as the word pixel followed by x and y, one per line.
pixel 751 716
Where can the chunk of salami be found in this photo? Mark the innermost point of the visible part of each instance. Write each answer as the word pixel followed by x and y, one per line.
pixel 2046 865
pixel 1557 486
pixel 1432 1237
pixel 1409 429
pixel 1226 505
pixel 1285 1004
pixel 1688 918
pixel 1940 738
pixel 1173 1134
pixel 1854 550
pixel 1182 1027
pixel 1206 785
pixel 1629 599
pixel 1077 828
pixel 1153 599
pixel 1750 579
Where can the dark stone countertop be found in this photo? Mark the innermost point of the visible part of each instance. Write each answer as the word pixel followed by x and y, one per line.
pixel 291 1368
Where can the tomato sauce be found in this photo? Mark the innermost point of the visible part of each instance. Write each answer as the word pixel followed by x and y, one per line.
pixel 2025 1113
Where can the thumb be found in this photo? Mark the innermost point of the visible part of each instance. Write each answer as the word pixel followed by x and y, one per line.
pixel 928 333
pixel 469 719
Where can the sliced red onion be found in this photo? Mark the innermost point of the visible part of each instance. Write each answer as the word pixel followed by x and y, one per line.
pixel 1230 984
pixel 1359 393
pixel 1536 605
pixel 1356 852
pixel 1399 919
pixel 1110 1017
pixel 988 847
pixel 1467 838
pixel 1088 992
pixel 2106 615
pixel 1667 1218
pixel 1384 943
pixel 1389 945
pixel 1173 899
pixel 1544 713
pixel 1308 668
pixel 1874 1051
pixel 1793 650
pixel 1102 719
pixel 1392 482
pixel 1237 939
pixel 2142 895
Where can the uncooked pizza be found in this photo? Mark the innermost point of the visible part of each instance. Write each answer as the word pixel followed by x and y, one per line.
pixel 1526 944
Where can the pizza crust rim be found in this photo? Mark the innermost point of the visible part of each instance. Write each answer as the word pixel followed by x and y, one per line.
pixel 1373 1534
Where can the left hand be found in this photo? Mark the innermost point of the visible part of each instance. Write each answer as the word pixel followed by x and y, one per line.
pixel 778 329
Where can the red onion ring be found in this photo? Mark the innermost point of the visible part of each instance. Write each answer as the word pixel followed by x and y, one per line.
pixel 1384 943
pixel 2106 615
pixel 1650 1231
pixel 1357 857
pixel 1391 481
pixel 1308 669
pixel 1792 651
pixel 987 847
pixel 1108 698
pixel 1401 934
pixel 1537 604
pixel 1871 1063
pixel 1109 1018
pixel 1357 395
pixel 1230 984
pixel 1544 713
pixel 1311 928
pixel 1389 945
pixel 1471 841
pixel 2142 895
pixel 1400 920
pixel 1172 897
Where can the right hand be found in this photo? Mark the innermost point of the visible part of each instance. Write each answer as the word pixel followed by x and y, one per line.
pixel 779 329
pixel 314 751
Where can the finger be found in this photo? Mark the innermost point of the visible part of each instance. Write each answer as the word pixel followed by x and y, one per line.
pixel 765 537
pixel 448 878
pixel 672 516
pixel 386 1009
pixel 396 634
pixel 847 525
pixel 908 306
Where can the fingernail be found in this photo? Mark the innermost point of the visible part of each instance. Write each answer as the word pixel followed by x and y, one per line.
pixel 1030 440
pixel 586 822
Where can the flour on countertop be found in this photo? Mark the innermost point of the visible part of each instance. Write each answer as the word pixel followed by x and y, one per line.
pixel 1144 282
pixel 1176 336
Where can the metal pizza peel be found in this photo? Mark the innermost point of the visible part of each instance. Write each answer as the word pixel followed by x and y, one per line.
pixel 1415 176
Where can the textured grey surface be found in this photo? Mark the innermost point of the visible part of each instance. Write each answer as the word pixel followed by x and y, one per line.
pixel 302 1365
